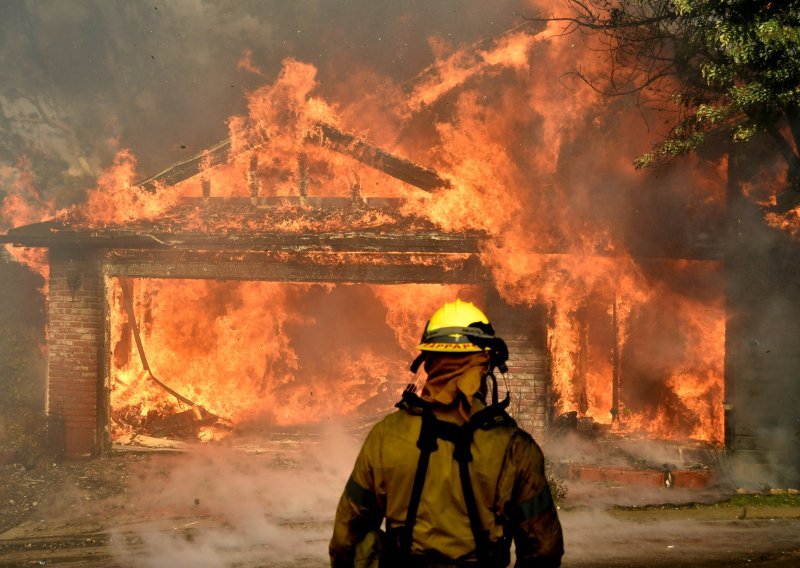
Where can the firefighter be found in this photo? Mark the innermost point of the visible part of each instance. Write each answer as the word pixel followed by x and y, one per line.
pixel 454 478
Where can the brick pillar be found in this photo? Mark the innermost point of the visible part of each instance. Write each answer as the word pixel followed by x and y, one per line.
pixel 75 339
pixel 524 331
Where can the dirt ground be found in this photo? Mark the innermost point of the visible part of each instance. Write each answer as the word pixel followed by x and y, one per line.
pixel 273 507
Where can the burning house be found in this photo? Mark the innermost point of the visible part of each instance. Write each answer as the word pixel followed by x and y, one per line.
pixel 283 276
pixel 200 311
pixel 116 292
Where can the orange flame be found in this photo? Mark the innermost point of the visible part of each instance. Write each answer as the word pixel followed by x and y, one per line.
pixel 505 134
pixel 22 205
pixel 117 199
pixel 242 350
pixel 246 64
pixel 788 222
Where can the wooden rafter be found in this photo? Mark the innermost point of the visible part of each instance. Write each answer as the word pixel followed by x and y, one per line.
pixel 323 134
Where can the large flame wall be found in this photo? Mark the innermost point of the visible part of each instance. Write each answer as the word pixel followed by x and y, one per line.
pixel 665 353
pixel 291 354
pixel 541 164
pixel 265 352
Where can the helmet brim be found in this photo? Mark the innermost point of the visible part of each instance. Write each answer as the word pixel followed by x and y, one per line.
pixel 442 347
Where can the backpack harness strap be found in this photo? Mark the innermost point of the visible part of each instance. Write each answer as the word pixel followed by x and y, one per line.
pixel 461 436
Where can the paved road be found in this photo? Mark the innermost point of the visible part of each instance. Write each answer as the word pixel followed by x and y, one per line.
pixel 661 539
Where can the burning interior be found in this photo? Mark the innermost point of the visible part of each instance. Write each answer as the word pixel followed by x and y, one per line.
pixel 251 353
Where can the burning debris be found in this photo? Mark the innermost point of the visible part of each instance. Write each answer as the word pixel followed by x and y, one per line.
pixel 276 379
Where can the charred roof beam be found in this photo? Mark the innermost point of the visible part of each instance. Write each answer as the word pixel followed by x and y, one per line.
pixel 323 134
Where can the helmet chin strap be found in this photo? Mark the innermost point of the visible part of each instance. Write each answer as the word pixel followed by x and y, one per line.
pixel 418 362
pixel 484 339
pixel 415 386
pixel 495 394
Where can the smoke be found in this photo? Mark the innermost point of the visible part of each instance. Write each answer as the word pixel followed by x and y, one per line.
pixel 224 506
pixel 542 163
pixel 762 358
pixel 82 79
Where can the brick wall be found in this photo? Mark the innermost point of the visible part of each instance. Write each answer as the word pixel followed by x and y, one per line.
pixel 75 340
pixel 524 331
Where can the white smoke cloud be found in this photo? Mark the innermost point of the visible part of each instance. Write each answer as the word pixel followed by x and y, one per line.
pixel 221 506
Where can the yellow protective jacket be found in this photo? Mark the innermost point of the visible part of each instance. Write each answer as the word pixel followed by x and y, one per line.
pixel 507 478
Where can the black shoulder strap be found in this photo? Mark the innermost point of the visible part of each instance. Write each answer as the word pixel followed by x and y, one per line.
pixel 461 437
pixel 427 445
pixel 481 536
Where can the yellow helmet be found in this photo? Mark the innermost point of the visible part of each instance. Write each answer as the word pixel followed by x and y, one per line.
pixel 452 328
pixel 460 327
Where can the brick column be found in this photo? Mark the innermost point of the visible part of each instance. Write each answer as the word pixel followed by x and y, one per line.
pixel 524 330
pixel 75 339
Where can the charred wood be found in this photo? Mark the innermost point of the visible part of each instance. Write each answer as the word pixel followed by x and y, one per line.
pixel 168 264
pixel 54 234
pixel 179 171
pixel 370 155
pixel 323 242
pixel 252 177
pixel 325 135
pixel 302 176
pixel 181 425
